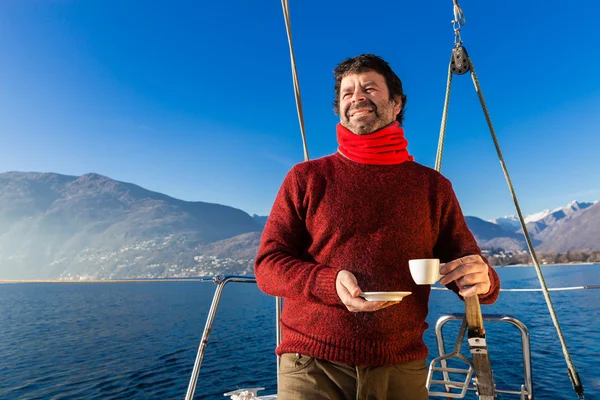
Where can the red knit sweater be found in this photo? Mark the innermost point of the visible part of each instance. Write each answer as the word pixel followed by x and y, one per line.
pixel 333 214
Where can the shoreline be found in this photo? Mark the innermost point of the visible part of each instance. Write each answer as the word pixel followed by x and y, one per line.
pixel 546 265
pixel 210 278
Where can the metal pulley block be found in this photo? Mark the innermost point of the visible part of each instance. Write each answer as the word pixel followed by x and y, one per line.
pixel 460 63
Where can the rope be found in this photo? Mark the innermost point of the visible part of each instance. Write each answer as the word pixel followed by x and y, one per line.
pixel 440 149
pixel 458 22
pixel 288 27
pixel 573 373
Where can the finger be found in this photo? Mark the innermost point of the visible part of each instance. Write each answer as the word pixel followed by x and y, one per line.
pixel 380 305
pixel 369 306
pixel 473 258
pixel 474 290
pixel 358 304
pixel 350 285
pixel 479 269
pixel 473 279
pixel 452 265
pixel 344 295
pixel 388 304
pixel 459 272
pixel 346 286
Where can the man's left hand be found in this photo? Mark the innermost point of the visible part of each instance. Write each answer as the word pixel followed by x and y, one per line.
pixel 470 274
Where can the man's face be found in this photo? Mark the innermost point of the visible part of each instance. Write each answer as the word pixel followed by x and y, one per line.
pixel 365 104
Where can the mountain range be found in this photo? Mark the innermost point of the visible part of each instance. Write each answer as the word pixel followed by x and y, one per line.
pixel 56 226
pixel 572 227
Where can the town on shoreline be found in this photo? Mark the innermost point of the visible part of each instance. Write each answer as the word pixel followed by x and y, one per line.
pixel 210 278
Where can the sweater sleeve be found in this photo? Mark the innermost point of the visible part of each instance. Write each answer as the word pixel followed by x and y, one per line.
pixel 283 267
pixel 455 240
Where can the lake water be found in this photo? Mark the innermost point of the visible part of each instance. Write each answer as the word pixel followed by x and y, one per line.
pixel 139 340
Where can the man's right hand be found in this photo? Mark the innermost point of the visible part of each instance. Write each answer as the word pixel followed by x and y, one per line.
pixel 348 291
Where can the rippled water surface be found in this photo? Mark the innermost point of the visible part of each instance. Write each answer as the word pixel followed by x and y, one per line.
pixel 139 340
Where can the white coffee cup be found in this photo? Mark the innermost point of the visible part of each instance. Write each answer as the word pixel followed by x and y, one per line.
pixel 425 271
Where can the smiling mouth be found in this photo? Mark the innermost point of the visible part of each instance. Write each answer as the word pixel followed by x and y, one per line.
pixel 361 112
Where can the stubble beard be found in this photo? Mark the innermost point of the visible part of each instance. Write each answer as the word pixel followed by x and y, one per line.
pixel 374 122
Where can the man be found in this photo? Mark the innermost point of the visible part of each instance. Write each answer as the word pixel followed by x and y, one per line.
pixel 348 223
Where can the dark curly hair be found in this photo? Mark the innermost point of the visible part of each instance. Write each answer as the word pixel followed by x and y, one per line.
pixel 365 63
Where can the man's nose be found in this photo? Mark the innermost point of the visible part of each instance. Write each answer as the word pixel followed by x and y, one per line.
pixel 358 96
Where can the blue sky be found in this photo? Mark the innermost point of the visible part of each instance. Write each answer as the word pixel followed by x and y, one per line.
pixel 194 99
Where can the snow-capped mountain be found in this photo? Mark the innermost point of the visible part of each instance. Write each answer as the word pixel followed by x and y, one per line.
pixel 539 221
pixel 577 231
pixel 560 212
pixel 510 222
pixel 492 236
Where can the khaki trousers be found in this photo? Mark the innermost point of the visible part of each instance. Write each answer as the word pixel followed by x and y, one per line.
pixel 303 377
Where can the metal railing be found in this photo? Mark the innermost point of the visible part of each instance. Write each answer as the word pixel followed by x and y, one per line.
pixel 220 281
pixel 526 389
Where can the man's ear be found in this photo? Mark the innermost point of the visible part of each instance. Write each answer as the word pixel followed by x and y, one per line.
pixel 397 104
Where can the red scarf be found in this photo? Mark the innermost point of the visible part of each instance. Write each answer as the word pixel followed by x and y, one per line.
pixel 386 146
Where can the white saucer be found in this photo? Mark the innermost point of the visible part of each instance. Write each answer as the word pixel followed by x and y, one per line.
pixel 384 296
